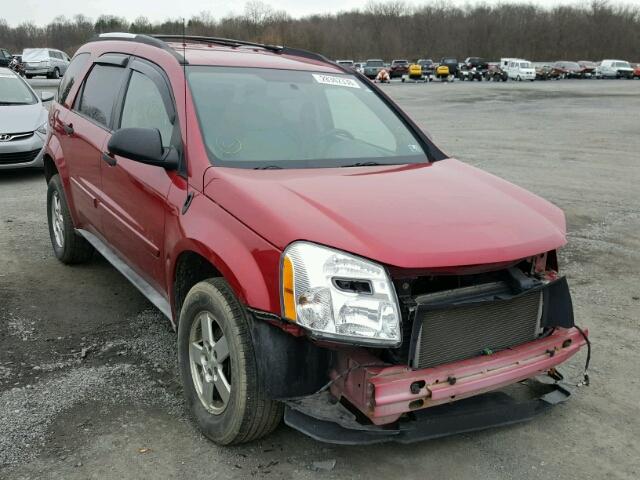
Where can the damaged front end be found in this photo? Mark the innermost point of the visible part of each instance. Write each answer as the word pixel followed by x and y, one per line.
pixel 479 349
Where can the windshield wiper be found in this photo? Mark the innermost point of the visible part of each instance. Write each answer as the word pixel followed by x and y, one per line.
pixel 268 167
pixel 362 164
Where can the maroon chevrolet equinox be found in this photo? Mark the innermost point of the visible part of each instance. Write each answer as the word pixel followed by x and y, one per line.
pixel 319 257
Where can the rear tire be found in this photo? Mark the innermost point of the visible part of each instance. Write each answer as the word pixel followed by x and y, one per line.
pixel 68 247
pixel 224 393
pixel 56 74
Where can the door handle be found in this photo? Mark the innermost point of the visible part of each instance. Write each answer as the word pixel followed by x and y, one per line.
pixel 68 128
pixel 107 157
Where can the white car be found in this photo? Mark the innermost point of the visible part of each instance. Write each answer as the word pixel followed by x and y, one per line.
pixel 518 69
pixel 345 63
pixel 48 62
pixel 23 122
pixel 614 69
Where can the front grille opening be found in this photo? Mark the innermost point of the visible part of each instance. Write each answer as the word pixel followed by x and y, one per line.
pixel 453 333
pixel 471 315
pixel 16 158
pixel 436 283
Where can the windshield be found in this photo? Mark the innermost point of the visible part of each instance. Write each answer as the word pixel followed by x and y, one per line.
pixel 13 91
pixel 35 54
pixel 264 118
pixel 622 65
pixel 525 65
pixel 375 63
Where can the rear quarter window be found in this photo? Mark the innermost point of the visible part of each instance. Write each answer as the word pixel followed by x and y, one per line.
pixel 76 67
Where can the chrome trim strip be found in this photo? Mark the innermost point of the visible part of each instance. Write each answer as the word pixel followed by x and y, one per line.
pixel 10 137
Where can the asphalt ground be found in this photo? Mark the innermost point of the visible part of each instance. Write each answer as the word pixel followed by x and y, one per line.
pixel 88 382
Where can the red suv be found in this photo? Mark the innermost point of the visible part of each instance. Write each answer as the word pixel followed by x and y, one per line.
pixel 318 255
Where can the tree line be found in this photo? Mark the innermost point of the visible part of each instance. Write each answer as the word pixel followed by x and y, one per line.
pixel 591 30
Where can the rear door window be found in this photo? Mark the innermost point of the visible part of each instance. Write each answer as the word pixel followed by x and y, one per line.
pixel 76 67
pixel 99 93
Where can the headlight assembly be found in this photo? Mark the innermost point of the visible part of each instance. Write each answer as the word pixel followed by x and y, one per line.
pixel 339 296
pixel 42 128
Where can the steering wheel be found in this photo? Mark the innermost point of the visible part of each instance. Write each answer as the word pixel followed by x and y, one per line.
pixel 337 132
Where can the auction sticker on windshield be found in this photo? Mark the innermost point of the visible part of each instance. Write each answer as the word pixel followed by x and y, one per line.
pixel 338 81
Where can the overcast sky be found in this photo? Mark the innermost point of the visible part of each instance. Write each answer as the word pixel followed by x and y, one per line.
pixel 42 12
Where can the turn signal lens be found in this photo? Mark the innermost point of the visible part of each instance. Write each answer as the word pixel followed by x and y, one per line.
pixel 288 298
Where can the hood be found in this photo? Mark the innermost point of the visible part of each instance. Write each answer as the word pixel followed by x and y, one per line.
pixel 21 118
pixel 434 215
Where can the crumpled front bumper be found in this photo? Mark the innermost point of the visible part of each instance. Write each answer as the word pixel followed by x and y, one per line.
pixel 493 409
pixel 442 400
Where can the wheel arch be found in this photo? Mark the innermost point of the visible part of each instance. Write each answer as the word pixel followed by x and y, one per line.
pixel 50 168
pixel 196 261
pixel 189 268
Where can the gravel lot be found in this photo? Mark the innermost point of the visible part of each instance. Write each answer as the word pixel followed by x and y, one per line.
pixel 88 385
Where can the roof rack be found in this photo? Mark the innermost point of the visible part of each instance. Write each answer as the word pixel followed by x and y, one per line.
pixel 229 42
pixel 159 40
pixel 140 38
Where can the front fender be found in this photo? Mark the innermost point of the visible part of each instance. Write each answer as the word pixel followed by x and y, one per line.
pixel 249 263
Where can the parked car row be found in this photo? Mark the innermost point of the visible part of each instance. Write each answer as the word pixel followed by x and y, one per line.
pixel 47 62
pixel 477 68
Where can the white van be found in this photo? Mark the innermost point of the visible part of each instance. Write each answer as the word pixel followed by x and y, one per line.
pixel 518 69
pixel 614 69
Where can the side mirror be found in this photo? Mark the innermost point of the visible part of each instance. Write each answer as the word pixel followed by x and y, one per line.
pixel 46 96
pixel 143 145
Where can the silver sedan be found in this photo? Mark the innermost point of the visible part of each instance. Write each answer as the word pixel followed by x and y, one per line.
pixel 23 122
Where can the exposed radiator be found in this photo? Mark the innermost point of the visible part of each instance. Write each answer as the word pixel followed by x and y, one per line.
pixel 446 333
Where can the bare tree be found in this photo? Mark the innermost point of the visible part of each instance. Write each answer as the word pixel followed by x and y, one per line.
pixel 388 29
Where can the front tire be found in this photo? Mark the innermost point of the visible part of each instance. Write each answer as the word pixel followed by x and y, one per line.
pixel 222 385
pixel 68 247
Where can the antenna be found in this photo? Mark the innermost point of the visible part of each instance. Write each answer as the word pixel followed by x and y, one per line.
pixel 184 71
pixel 185 150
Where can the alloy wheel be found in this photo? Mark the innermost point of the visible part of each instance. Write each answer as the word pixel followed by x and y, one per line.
pixel 57 220
pixel 210 363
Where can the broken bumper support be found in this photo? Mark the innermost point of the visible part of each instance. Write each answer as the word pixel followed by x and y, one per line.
pixel 384 393
pixel 488 410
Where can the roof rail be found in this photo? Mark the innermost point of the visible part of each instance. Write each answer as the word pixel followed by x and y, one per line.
pixel 159 40
pixel 139 38
pixel 230 42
